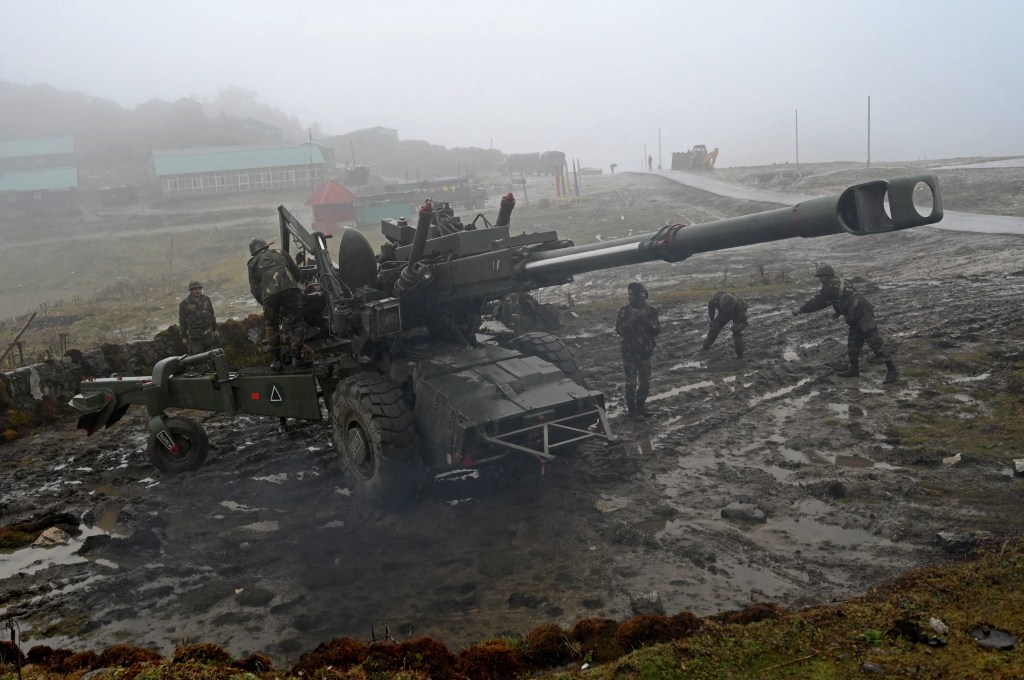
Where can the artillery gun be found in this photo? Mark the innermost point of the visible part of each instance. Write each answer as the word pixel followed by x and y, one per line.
pixel 398 368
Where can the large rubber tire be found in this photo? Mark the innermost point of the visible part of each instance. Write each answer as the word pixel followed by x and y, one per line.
pixel 553 350
pixel 376 440
pixel 550 349
pixel 193 445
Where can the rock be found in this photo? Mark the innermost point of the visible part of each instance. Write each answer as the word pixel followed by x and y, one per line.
pixel 93 543
pixel 869 667
pixel 993 638
pixel 741 512
pixel 1018 467
pixel 647 604
pixel 959 542
pixel 51 537
pixel 951 460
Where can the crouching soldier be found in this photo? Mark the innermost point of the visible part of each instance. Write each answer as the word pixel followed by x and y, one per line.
pixel 859 315
pixel 725 308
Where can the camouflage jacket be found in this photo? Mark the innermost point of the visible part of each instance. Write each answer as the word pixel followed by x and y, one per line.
pixel 638 327
pixel 843 297
pixel 738 314
pixel 196 318
pixel 271 271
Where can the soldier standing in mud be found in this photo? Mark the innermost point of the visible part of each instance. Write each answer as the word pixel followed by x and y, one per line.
pixel 273 280
pixel 859 315
pixel 638 325
pixel 724 308
pixel 197 322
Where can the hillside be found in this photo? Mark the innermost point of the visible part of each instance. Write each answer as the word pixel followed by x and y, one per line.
pixel 845 484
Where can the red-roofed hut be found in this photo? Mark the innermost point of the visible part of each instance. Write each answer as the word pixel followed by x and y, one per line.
pixel 332 203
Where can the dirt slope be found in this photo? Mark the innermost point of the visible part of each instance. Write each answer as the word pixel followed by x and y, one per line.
pixel 829 487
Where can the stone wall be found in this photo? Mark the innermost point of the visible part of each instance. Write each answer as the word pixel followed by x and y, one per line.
pixel 35 395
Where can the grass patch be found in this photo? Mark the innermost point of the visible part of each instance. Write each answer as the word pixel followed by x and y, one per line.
pixel 982 418
pixel 888 630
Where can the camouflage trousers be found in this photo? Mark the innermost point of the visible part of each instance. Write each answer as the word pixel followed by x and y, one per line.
pixel 737 335
pixel 281 314
pixel 864 331
pixel 202 344
pixel 638 377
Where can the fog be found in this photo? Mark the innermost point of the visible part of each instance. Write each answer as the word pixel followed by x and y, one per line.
pixel 601 81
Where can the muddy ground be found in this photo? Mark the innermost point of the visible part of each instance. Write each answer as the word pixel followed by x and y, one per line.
pixel 264 549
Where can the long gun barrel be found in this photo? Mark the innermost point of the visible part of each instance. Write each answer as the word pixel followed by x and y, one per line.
pixel 870 208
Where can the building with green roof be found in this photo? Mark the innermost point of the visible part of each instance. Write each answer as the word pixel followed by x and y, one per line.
pixel 37 173
pixel 198 172
pixel 17 155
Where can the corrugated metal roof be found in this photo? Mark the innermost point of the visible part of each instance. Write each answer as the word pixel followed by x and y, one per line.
pixel 209 160
pixel 28 148
pixel 35 180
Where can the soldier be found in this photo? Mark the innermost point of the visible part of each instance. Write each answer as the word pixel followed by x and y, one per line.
pixel 638 325
pixel 197 321
pixel 859 315
pixel 722 309
pixel 273 280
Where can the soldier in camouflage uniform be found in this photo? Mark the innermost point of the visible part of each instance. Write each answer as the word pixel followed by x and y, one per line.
pixel 197 322
pixel 273 280
pixel 724 308
pixel 859 315
pixel 638 325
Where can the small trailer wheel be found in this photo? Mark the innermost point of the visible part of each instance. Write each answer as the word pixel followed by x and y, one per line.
pixel 192 443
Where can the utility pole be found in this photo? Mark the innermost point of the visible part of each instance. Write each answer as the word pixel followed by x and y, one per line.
pixel 659 148
pixel 796 128
pixel 869 131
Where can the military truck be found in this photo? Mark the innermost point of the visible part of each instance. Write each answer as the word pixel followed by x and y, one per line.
pixel 399 369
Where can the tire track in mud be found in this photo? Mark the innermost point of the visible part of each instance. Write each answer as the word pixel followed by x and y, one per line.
pixel 725 423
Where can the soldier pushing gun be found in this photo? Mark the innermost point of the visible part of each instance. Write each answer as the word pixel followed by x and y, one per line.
pixel 859 315
pixel 724 308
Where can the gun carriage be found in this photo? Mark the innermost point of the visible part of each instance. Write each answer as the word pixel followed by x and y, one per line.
pixel 398 369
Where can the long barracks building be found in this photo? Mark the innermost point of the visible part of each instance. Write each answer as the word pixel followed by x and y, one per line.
pixel 196 172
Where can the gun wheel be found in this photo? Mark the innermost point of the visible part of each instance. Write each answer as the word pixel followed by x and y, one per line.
pixel 376 440
pixel 550 349
pixel 192 443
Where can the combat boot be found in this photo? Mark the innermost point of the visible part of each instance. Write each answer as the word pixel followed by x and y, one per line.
pixel 853 371
pixel 275 355
pixel 891 373
pixel 641 408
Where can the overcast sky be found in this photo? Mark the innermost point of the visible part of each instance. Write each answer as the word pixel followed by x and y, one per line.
pixel 598 79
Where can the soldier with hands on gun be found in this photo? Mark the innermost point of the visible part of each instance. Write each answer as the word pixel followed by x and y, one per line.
pixel 197 322
pixel 724 308
pixel 273 281
pixel 638 325
pixel 859 315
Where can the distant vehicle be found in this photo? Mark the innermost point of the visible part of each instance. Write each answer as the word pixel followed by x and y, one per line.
pixel 697 158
